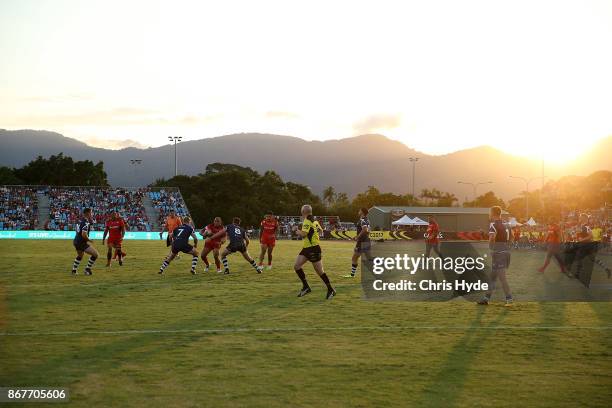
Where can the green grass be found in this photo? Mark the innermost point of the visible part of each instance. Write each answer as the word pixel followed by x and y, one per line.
pixel 127 337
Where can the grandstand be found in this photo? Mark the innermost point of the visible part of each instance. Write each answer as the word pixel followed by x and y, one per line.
pixel 18 208
pixel 165 200
pixel 59 208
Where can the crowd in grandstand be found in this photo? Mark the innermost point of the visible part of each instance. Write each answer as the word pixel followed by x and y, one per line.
pixel 165 201
pixel 18 208
pixel 66 205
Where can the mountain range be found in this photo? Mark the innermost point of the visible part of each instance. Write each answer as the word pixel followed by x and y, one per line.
pixel 349 165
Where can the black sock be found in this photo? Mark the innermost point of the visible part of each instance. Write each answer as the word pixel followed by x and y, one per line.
pixel 325 280
pixel 353 269
pixel 300 273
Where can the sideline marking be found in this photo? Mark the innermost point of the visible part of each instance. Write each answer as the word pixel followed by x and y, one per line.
pixel 297 329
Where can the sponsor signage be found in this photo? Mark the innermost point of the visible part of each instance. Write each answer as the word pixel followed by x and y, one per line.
pixel 41 234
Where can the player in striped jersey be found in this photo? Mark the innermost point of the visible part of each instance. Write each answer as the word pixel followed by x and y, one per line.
pixel 238 242
pixel 363 241
pixel 83 244
pixel 180 243
pixel 499 243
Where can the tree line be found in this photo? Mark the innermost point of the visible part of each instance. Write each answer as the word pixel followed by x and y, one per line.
pixel 57 170
pixel 228 190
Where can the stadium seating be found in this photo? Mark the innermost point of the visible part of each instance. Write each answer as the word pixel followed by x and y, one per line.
pixel 66 205
pixel 165 201
pixel 18 208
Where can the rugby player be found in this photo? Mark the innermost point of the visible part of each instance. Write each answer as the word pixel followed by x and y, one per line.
pixel 553 239
pixel 212 245
pixel 269 227
pixel 310 252
pixel 499 243
pixel 585 247
pixel 172 221
pixel 83 244
pixel 238 242
pixel 431 238
pixel 180 243
pixel 115 229
pixel 363 241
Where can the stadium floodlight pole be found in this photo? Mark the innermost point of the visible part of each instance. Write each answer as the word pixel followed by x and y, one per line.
pixel 527 182
pixel 413 160
pixel 175 139
pixel 135 163
pixel 475 185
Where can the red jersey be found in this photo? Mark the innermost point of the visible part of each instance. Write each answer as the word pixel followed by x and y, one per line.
pixel 432 233
pixel 213 229
pixel 553 235
pixel 269 227
pixel 115 228
pixel 583 232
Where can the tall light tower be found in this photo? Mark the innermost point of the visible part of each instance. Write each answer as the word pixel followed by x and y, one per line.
pixel 475 185
pixel 414 160
pixel 175 139
pixel 135 164
pixel 527 182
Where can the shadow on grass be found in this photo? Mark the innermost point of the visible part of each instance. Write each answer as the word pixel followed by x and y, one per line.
pixel 551 315
pixel 73 365
pixel 447 384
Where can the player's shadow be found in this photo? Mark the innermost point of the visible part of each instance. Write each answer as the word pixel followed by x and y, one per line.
pixel 72 366
pixel 551 315
pixel 448 383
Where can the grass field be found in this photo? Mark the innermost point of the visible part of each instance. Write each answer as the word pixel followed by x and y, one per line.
pixel 127 337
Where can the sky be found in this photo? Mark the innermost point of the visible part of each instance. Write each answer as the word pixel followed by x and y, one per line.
pixel 529 77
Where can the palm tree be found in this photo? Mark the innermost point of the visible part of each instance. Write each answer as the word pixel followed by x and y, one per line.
pixel 329 195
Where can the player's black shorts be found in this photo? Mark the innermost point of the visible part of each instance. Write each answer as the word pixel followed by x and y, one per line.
pixel 239 247
pixel 363 247
pixel 169 240
pixel 177 247
pixel 500 260
pixel 80 245
pixel 313 253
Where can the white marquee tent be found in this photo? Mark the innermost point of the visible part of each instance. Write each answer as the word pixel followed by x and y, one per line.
pixel 405 220
pixel 418 221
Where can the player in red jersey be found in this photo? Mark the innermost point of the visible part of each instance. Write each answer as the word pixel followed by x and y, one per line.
pixel 432 240
pixel 115 229
pixel 269 226
pixel 212 244
pixel 553 239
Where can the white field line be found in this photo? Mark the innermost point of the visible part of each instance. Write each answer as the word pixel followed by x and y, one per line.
pixel 161 282
pixel 231 330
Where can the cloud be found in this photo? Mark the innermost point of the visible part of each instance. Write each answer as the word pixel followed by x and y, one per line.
pixel 113 144
pixel 373 123
pixel 73 97
pixel 282 115
pixel 117 116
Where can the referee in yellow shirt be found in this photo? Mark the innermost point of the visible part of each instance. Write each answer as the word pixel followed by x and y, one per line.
pixel 311 252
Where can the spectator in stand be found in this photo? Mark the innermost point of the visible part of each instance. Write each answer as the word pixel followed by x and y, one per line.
pixel 65 205
pixel 18 208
